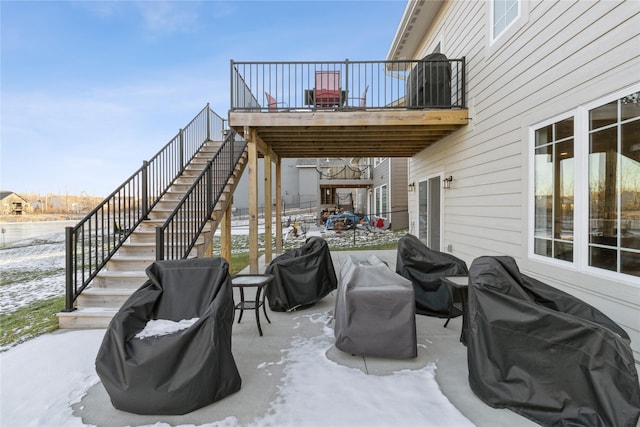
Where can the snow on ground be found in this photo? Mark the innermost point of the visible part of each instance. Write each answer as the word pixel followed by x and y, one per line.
pixel 31 270
pixel 341 396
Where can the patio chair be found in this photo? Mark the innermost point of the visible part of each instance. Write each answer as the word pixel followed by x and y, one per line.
pixel 362 101
pixel 327 92
pixel 273 103
pixel 545 354
pixel 180 372
pixel 425 268
pixel 302 276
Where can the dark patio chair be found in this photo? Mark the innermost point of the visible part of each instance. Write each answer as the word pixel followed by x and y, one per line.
pixel 545 354
pixel 425 268
pixel 302 276
pixel 179 372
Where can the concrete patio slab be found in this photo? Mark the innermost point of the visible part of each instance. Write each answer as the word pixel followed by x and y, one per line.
pixel 261 362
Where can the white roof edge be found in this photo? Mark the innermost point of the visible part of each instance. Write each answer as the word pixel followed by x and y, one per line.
pixel 428 10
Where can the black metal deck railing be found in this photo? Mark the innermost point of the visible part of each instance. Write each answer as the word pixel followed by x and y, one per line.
pixel 97 237
pixel 178 235
pixel 347 85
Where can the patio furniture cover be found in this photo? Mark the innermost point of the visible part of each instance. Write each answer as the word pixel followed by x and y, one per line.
pixel 429 83
pixel 302 276
pixel 375 311
pixel 545 354
pixel 182 371
pixel 425 268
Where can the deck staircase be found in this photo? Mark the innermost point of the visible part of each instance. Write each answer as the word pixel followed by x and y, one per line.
pixel 125 271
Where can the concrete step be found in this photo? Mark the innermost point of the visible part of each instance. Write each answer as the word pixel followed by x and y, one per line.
pixel 129 263
pixel 119 279
pixel 103 297
pixel 86 318
pixel 137 249
pixel 160 212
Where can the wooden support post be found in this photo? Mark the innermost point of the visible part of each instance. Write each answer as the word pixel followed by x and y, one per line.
pixel 252 146
pixel 225 233
pixel 268 214
pixel 278 206
pixel 208 244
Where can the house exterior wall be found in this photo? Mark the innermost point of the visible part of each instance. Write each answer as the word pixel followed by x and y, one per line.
pixel 309 186
pixel 392 172
pixel 555 59
pixel 290 189
pixel 12 204
pixel 398 193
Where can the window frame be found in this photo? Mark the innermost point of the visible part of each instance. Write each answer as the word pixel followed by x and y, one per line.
pixel 492 21
pixel 495 42
pixel 381 200
pixel 581 245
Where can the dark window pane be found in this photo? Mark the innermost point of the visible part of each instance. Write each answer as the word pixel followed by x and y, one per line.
pixel 544 135
pixel 631 141
pixel 563 191
pixel 542 247
pixel 603 205
pixel 603 116
pixel 630 106
pixel 543 192
pixel 564 129
pixel 630 263
pixel 603 258
pixel 630 186
pixel 563 251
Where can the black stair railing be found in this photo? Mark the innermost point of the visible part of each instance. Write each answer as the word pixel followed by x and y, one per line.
pixel 97 237
pixel 179 234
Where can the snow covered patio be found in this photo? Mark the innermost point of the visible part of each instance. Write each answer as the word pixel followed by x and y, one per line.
pixel 291 376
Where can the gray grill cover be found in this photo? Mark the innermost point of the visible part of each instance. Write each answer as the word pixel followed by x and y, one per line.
pixel 375 310
pixel 302 276
pixel 429 83
pixel 545 354
pixel 177 373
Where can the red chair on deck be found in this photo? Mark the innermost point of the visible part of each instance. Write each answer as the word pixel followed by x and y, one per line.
pixel 327 91
pixel 273 103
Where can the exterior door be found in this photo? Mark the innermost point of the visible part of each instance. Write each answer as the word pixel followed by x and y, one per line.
pixel 429 212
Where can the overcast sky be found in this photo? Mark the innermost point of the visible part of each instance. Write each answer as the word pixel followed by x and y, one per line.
pixel 90 89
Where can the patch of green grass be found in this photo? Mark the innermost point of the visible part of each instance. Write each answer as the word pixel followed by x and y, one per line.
pixel 11 277
pixel 29 321
pixel 238 262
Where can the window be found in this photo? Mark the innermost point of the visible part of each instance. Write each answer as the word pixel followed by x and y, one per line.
pixel 598 146
pixel 504 12
pixel 554 190
pixel 380 201
pixel 378 160
pixel 328 196
pixel 614 185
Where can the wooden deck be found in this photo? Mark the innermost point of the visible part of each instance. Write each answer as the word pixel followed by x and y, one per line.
pixel 358 133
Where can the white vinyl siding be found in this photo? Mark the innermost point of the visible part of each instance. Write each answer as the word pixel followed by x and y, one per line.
pixel 564 55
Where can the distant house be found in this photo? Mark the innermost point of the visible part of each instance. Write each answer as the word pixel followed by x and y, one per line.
pixel 548 168
pixel 376 187
pixel 13 204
